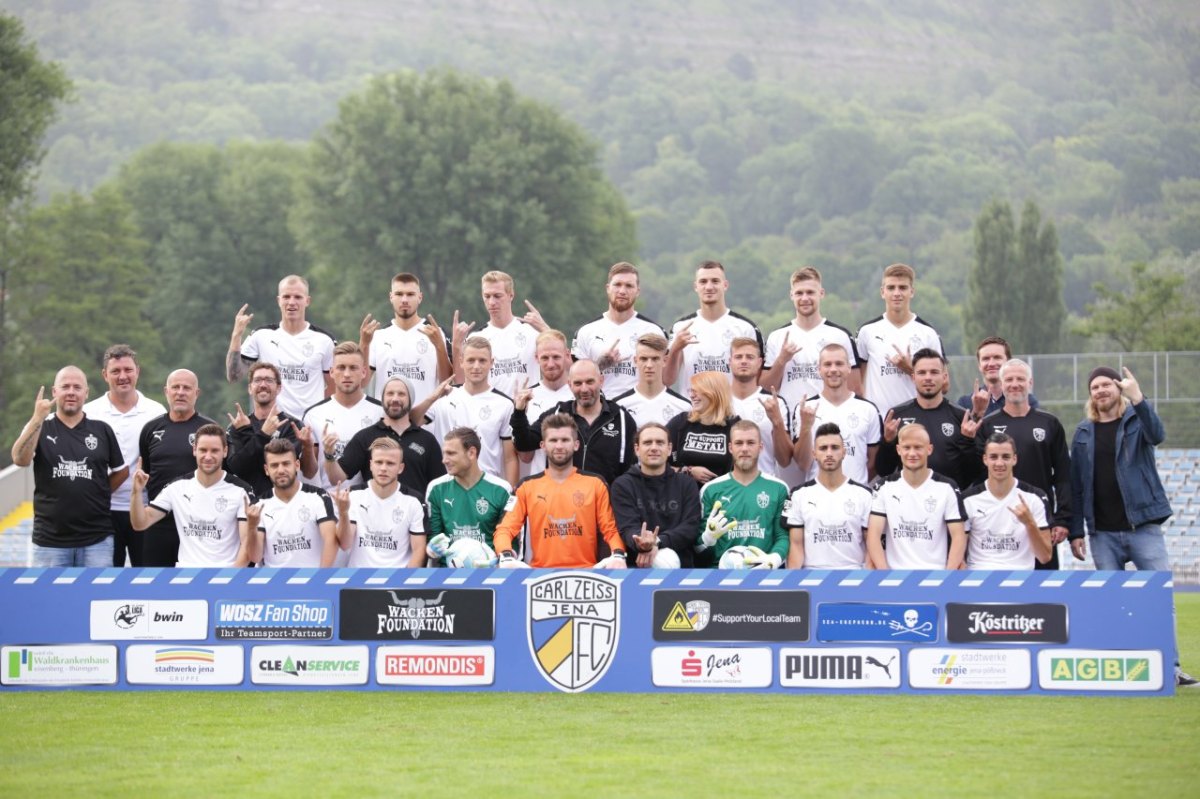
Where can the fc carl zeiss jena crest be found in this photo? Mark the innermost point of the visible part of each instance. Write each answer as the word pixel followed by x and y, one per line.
pixel 573 624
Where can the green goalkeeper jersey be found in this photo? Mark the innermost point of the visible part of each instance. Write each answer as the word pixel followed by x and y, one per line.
pixel 467 512
pixel 758 508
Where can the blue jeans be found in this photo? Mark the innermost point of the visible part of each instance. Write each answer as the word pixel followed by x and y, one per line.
pixel 1144 547
pixel 98 555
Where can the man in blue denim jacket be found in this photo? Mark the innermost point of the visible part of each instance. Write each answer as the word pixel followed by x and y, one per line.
pixel 1115 487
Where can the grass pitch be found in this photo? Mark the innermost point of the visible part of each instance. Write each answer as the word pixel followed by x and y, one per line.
pixel 424 744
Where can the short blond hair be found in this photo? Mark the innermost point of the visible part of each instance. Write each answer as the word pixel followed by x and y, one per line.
pixel 901 270
pixel 496 276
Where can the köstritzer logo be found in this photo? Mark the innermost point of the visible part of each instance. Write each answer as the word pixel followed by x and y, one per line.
pixel 573 628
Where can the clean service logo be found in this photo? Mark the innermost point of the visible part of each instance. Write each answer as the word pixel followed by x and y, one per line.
pixel 1100 669
pixel 1003 623
pixel 711 667
pixel 730 615
pixel 150 664
pixel 466 614
pixel 84 664
pixel 435 665
pixel 309 665
pixel 132 620
pixel 866 622
pixel 573 625
pixel 274 619
pixel 830 667
pixel 970 669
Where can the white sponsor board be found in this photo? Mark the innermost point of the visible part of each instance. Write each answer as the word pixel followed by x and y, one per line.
pixel 1100 669
pixel 83 664
pixel 179 664
pixel 149 619
pixel 309 665
pixel 435 665
pixel 839 667
pixel 711 667
pixel 970 669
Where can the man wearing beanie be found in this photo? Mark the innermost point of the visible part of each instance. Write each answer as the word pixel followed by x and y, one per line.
pixel 1121 509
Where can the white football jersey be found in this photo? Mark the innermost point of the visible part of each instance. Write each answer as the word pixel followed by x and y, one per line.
pixel 127 426
pixel 596 338
pixel 833 523
pixel 291 531
pixel 303 360
pixel 801 378
pixel 878 340
pixel 206 518
pixel 662 408
pixel 410 354
pixel 710 353
pixel 488 412
pixel 861 428
pixel 998 540
pixel 916 531
pixel 382 526
pixel 514 355
pixel 337 418
pixel 752 408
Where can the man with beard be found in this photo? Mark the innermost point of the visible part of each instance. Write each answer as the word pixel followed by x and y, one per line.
pixel 610 339
pixel 412 346
pixel 992 353
pixel 422 457
pixel 565 514
pixel 294 526
pixel 828 516
pixel 208 507
pixel 919 511
pixel 745 507
pixel 379 524
pixel 606 430
pixel 76 465
pixel 953 452
pixel 650 400
pixel 1041 444
pixel 857 418
pixel 167 446
pixel 249 435
pixel 765 408
pixel 466 502
pixel 340 416
pixel 125 410
pixel 553 360
pixel 657 508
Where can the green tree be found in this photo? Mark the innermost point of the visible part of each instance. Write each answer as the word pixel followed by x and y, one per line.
pixel 1014 288
pixel 79 283
pixel 1156 312
pixel 448 176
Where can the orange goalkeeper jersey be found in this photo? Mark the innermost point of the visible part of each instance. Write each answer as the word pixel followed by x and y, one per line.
pixel 565 520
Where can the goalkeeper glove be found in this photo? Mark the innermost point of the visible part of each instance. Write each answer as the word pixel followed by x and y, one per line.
pixel 508 560
pixel 716 526
pixel 614 561
pixel 437 546
pixel 757 559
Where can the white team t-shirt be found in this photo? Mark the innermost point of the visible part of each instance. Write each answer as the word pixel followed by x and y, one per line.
pixel 884 384
pixel 543 399
pixel 998 540
pixel 662 408
pixel 514 355
pixel 752 408
pixel 382 526
pixel 303 360
pixel 861 428
pixel 207 518
pixel 801 378
pixel 488 412
pixel 833 523
pixel 710 352
pixel 596 338
pixel 343 421
pixel 410 354
pixel 916 531
pixel 128 427
pixel 291 531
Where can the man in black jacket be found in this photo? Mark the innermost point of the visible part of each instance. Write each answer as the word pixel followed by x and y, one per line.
pixel 657 508
pixel 606 429
pixel 249 434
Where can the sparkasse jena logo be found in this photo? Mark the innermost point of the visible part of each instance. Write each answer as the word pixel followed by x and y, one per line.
pixel 573 626
pixel 711 667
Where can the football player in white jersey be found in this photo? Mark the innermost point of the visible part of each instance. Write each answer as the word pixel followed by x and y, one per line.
pixel 610 339
pixel 343 414
pixel 700 341
pixel 919 510
pixel 1007 519
pixel 513 340
pixel 828 516
pixel 857 418
pixel 379 524
pixel 886 343
pixel 302 352
pixel 412 346
pixel 765 408
pixel 295 525
pixel 794 350
pixel 554 359
pixel 651 400
pixel 209 507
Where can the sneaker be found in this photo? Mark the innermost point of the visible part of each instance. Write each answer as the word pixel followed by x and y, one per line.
pixel 1184 680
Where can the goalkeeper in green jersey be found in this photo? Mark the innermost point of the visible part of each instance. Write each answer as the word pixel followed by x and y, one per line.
pixel 744 507
pixel 466 502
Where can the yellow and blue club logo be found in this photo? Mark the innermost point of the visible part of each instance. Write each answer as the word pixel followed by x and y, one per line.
pixel 573 624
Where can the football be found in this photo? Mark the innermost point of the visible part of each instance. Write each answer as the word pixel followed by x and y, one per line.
pixel 467 553
pixel 735 557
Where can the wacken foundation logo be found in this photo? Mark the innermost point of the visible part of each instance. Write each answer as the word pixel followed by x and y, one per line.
pixel 573 627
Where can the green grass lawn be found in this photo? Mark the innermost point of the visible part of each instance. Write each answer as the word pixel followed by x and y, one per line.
pixel 358 744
